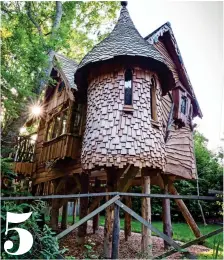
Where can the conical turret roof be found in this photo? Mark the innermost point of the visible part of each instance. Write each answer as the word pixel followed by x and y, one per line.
pixel 124 40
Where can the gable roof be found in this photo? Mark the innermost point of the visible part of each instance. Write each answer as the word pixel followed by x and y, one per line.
pixel 67 68
pixel 160 34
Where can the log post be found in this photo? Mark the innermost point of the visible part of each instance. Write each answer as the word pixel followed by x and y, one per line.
pixel 74 212
pixel 82 230
pixel 167 226
pixel 96 217
pixel 109 216
pixel 116 233
pixel 64 216
pixel 186 214
pixel 146 242
pixel 127 219
pixel 54 218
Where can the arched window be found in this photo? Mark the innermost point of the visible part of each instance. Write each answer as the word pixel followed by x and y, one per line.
pixel 153 99
pixel 128 87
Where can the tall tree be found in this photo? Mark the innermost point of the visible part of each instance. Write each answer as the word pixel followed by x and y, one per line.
pixel 31 32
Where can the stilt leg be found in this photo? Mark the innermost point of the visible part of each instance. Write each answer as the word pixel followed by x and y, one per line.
pixel 146 243
pixel 96 217
pixel 184 210
pixel 82 230
pixel 127 219
pixel 64 216
pixel 167 226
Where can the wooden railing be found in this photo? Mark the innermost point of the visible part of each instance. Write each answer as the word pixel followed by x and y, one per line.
pixel 25 148
pixel 66 145
pixel 25 156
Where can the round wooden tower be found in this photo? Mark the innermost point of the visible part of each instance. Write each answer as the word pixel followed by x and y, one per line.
pixel 124 78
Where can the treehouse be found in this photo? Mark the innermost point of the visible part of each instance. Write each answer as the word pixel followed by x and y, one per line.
pixel 121 117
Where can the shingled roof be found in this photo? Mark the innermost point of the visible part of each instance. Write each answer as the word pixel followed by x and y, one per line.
pixel 124 40
pixel 67 68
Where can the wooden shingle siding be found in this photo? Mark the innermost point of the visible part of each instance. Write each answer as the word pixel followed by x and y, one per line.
pixel 180 153
pixel 163 51
pixel 115 137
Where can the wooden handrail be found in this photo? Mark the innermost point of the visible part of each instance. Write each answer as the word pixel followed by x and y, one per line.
pixel 59 138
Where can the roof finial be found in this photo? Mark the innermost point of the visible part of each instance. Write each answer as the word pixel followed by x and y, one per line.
pixel 124 3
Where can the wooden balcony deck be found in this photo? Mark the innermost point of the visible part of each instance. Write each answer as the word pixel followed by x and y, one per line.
pixel 25 168
pixel 66 145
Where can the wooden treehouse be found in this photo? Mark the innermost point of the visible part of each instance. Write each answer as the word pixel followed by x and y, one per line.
pixel 121 117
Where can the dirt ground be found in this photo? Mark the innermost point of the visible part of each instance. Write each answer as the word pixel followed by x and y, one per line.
pixel 130 249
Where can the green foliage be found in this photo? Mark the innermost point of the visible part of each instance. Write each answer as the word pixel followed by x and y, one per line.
pixel 45 245
pixel 89 251
pixel 28 34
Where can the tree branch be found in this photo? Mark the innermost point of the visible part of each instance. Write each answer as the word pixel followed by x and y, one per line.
pixel 29 13
pixel 57 19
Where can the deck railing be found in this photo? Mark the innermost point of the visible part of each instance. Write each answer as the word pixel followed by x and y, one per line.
pixel 25 148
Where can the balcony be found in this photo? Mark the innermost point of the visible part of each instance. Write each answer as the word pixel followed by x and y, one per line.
pixel 24 162
pixel 65 145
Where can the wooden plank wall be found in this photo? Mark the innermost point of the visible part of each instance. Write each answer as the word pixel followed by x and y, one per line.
pixel 115 137
pixel 180 159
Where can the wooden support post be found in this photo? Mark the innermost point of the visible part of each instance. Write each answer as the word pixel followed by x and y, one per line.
pixel 82 230
pixel 54 218
pixel 146 242
pixel 74 212
pixel 64 216
pixel 127 219
pixel 167 226
pixel 109 217
pixel 96 217
pixel 116 233
pixel 113 175
pixel 184 210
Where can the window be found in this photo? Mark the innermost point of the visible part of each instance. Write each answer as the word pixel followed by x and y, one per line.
pixel 183 105
pixel 128 87
pixel 57 126
pixel 153 99
pixel 61 86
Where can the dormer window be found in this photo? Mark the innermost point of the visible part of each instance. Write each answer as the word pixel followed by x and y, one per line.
pixel 183 106
pixel 182 103
pixel 128 87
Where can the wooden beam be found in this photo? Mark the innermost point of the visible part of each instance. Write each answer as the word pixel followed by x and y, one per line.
pixel 116 233
pixel 167 226
pixel 126 181
pixel 184 210
pixel 146 242
pixel 84 181
pixel 127 219
pixel 86 218
pixel 193 242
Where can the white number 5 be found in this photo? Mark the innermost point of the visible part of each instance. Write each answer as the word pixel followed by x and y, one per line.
pixel 25 237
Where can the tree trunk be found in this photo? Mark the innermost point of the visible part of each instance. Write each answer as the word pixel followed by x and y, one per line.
pixel 74 213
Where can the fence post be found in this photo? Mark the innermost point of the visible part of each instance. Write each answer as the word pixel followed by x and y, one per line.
pixel 116 233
